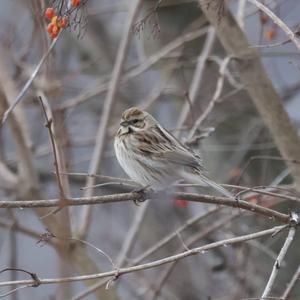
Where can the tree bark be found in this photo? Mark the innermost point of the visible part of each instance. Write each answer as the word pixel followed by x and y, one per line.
pixel 257 83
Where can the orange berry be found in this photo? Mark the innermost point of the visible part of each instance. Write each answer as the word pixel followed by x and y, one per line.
pixel 55 29
pixel 53 35
pixel 64 22
pixel 263 18
pixel 49 13
pixel 270 34
pixel 75 2
pixel 50 27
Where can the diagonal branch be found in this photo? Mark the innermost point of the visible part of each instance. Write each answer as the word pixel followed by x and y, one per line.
pixel 216 97
pixel 291 284
pixel 258 85
pixel 153 264
pixel 198 76
pixel 29 82
pixel 279 260
pixel 292 36
pixel 107 109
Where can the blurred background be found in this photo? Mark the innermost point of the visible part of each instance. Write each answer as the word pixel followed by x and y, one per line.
pixel 171 67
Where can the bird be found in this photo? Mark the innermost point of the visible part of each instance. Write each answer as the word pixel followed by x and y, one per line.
pixel 153 157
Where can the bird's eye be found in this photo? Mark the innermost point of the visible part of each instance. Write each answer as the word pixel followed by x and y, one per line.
pixel 135 121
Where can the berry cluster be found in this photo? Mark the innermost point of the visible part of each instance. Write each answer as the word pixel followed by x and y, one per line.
pixel 56 23
pixel 270 33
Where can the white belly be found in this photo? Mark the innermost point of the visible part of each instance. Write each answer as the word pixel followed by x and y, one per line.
pixel 141 169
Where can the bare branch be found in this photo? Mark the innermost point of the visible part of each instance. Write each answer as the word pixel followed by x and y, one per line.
pixel 107 109
pixel 48 125
pixel 279 260
pixel 278 22
pixel 132 233
pixel 291 284
pixel 215 98
pixel 152 264
pixel 151 250
pixel 257 83
pixel 198 75
pixel 258 157
pixel 29 82
pixel 172 235
pixel 100 87
pixel 151 195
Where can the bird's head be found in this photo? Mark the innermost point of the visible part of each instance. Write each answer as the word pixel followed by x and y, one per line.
pixel 134 120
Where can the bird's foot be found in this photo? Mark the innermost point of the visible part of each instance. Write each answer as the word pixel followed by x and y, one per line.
pixel 142 194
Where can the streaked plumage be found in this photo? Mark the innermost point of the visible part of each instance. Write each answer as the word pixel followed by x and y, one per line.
pixel 150 155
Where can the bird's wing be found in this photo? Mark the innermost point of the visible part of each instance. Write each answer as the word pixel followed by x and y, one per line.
pixel 161 144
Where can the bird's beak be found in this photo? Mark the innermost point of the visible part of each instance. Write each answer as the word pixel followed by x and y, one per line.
pixel 124 123
pixel 124 128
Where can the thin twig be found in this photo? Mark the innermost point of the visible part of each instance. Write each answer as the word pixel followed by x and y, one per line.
pixel 29 81
pixel 172 235
pixel 262 190
pixel 48 125
pixel 85 217
pixel 94 247
pixel 253 76
pixel 198 75
pixel 279 260
pixel 101 87
pixel 277 21
pixel 215 98
pixel 20 228
pixel 150 251
pixel 190 242
pixel 164 275
pixel 5 294
pixel 132 233
pixel 8 179
pixel 291 285
pixel 271 45
pixel 258 157
pixel 152 264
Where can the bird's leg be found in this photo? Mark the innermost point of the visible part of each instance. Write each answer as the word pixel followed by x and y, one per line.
pixel 142 191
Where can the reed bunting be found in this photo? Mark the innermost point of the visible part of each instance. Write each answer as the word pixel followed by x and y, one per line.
pixel 152 156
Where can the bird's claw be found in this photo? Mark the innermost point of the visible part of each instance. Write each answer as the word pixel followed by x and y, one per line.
pixel 142 193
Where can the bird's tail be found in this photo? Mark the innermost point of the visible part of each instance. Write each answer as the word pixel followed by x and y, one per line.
pixel 217 187
pixel 205 181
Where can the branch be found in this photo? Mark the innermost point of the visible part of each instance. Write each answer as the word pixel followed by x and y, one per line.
pixel 258 85
pixel 150 251
pixel 133 231
pixel 292 36
pixel 291 284
pixel 49 122
pixel 152 264
pixel 29 82
pixel 100 87
pixel 137 196
pixel 198 76
pixel 279 260
pixel 215 98
pixel 107 110
pixel 165 240
pixel 190 242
